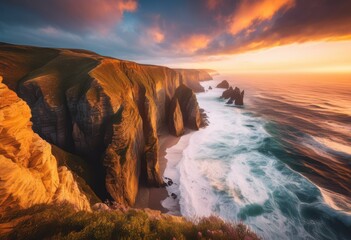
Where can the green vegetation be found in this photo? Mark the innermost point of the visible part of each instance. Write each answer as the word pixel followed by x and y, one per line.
pixel 62 222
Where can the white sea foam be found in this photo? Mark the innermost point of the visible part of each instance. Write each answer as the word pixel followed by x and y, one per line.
pixel 220 170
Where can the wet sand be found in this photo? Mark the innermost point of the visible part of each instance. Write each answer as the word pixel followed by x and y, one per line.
pixel 152 197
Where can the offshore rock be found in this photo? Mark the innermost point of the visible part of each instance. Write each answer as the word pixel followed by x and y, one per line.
pixel 234 96
pixel 240 99
pixel 230 101
pixel 228 93
pixel 223 84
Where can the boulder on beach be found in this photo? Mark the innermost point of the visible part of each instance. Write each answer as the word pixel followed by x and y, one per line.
pixel 223 84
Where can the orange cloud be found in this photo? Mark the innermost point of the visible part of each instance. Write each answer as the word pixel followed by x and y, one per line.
pixel 156 34
pixel 249 11
pixel 193 43
pixel 127 5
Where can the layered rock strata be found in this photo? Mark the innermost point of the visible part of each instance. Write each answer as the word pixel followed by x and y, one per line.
pixel 29 173
pixel 107 111
pixel 176 124
pixel 189 107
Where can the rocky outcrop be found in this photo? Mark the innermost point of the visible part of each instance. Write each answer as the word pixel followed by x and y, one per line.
pixel 223 84
pixel 240 99
pixel 189 107
pixel 175 125
pixel 227 93
pixel 204 118
pixel 29 173
pixel 106 111
pixel 185 112
pixel 122 157
pixel 192 78
pixel 234 96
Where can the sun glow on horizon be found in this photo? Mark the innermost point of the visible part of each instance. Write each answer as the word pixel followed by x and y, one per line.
pixel 311 57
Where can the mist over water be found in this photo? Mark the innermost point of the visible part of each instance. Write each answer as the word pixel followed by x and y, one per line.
pixel 281 164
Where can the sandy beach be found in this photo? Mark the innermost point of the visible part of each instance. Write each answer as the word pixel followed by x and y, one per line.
pixel 152 197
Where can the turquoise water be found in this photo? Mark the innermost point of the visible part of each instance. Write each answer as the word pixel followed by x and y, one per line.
pixel 267 170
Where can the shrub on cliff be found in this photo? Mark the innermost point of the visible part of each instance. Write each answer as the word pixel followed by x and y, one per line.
pixel 62 222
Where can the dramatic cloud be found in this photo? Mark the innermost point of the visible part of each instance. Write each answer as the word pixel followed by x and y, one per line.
pixel 76 15
pixel 141 29
pixel 305 21
pixel 193 43
pixel 250 11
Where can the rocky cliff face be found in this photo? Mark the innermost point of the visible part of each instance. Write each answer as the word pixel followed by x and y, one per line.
pixel 192 78
pixel 107 111
pixel 189 107
pixel 176 123
pixel 29 173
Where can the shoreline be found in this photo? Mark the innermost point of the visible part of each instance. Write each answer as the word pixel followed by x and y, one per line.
pixel 151 197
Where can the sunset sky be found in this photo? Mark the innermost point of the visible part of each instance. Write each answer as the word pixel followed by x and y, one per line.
pixel 227 35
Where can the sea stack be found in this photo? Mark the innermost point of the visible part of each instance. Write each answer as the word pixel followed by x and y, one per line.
pixel 234 95
pixel 223 84
pixel 189 107
pixel 175 123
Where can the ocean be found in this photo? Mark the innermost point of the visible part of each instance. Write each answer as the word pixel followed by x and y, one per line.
pixel 280 164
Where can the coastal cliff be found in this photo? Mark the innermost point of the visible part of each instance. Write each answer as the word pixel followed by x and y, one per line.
pixel 108 112
pixel 29 173
pixel 192 78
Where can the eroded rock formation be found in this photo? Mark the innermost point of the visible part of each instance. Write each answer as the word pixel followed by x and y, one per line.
pixel 176 125
pixel 189 107
pixel 234 96
pixel 223 84
pixel 29 173
pixel 227 93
